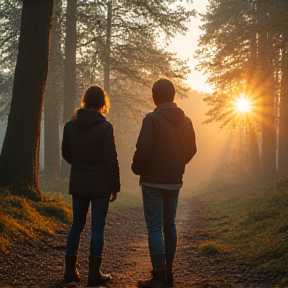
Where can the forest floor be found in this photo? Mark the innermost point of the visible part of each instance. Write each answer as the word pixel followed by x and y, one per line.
pixel 41 263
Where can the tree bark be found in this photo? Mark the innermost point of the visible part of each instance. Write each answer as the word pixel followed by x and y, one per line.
pixel 52 100
pixel 268 155
pixel 70 70
pixel 283 120
pixel 19 158
pixel 108 48
pixel 70 61
pixel 254 156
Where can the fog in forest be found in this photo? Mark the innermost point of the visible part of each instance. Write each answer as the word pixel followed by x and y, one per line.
pixel 228 61
pixel 240 120
pixel 212 145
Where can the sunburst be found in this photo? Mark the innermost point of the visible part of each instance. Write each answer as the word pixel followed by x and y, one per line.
pixel 242 105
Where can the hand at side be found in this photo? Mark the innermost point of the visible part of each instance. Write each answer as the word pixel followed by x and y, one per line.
pixel 113 196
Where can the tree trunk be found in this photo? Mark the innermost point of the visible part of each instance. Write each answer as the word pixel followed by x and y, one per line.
pixel 268 159
pixel 52 100
pixel 70 70
pixel 70 61
pixel 108 48
pixel 283 120
pixel 20 153
pixel 267 85
pixel 254 156
pixel 268 155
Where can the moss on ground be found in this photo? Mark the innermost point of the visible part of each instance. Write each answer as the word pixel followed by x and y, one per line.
pixel 211 248
pixel 22 219
pixel 251 223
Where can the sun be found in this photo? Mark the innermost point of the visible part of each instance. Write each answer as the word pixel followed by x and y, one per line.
pixel 242 105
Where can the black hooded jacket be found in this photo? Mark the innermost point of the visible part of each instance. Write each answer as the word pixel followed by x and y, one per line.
pixel 89 146
pixel 165 145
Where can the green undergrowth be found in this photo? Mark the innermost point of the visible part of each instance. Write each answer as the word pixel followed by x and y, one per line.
pixel 54 187
pixel 210 248
pixel 57 189
pixel 22 219
pixel 128 198
pixel 250 223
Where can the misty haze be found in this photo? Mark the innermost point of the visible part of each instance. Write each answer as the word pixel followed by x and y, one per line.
pixel 227 66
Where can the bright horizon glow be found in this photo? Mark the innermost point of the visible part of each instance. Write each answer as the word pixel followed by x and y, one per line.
pixel 242 105
pixel 186 45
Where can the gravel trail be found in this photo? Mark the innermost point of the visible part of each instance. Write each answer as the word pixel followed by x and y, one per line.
pixel 40 263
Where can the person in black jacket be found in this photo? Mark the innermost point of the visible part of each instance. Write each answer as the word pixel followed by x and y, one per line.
pixel 166 143
pixel 89 146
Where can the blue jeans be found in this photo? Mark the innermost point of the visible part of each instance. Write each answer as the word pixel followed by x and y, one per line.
pixel 160 207
pixel 99 209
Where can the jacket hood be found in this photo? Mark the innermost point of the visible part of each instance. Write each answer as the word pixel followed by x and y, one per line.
pixel 86 118
pixel 171 111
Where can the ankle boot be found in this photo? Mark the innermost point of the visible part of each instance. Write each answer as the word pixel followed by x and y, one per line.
pixel 95 276
pixel 158 280
pixel 71 272
pixel 169 273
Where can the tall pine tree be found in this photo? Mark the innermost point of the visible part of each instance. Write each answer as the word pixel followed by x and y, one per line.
pixel 20 152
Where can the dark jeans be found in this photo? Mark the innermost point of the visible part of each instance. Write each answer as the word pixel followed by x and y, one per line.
pixel 160 207
pixel 99 209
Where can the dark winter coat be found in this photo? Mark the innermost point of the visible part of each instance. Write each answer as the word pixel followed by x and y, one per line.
pixel 89 146
pixel 165 145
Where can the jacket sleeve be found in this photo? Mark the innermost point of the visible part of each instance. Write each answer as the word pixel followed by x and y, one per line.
pixel 191 143
pixel 66 146
pixel 144 147
pixel 111 160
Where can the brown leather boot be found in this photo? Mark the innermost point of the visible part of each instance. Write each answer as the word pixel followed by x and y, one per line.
pixel 169 273
pixel 158 280
pixel 71 272
pixel 95 277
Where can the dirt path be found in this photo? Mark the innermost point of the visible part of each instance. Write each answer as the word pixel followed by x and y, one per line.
pixel 40 264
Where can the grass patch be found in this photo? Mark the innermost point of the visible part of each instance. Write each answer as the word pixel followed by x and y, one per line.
pixel 211 248
pixel 58 210
pixel 252 223
pixel 58 189
pixel 23 219
pixel 128 198
pixel 54 189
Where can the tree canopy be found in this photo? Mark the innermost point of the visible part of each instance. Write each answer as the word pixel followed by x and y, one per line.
pixel 243 51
